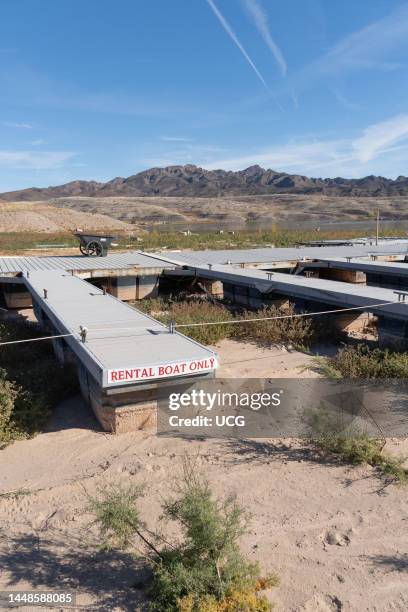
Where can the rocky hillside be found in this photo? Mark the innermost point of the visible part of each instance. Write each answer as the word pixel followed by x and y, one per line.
pixel 191 181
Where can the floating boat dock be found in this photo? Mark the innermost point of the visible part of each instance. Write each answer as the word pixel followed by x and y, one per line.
pixel 126 359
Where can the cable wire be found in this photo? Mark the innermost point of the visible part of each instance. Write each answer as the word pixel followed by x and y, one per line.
pixel 35 339
pixel 289 316
pixel 206 323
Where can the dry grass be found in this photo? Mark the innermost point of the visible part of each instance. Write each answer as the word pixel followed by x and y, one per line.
pixel 299 332
pixel 15 241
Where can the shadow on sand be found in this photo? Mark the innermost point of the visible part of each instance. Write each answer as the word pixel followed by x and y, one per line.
pixel 397 562
pixel 114 580
pixel 73 413
pixel 267 451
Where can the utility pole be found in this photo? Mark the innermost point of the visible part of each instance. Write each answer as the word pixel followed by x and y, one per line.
pixel 378 227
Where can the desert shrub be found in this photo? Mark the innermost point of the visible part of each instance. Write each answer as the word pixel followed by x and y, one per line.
pixel 296 331
pixel 269 236
pixel 153 306
pixel 117 515
pixel 204 570
pixel 35 380
pixel 8 394
pixel 358 448
pixel 191 311
pixel 334 433
pixel 364 362
pixel 202 312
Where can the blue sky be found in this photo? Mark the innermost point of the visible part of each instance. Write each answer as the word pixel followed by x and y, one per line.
pixel 93 89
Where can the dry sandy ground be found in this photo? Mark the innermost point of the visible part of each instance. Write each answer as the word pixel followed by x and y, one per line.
pixel 268 209
pixel 40 217
pixel 336 535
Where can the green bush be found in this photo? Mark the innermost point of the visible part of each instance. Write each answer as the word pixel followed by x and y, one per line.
pixel 203 312
pixel 191 311
pixel 8 395
pixel 358 448
pixel 295 331
pixel 153 306
pixel 334 433
pixel 364 362
pixel 204 570
pixel 117 515
pixel 34 380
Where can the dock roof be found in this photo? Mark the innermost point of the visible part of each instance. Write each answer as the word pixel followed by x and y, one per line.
pixel 267 255
pixel 79 263
pixel 119 337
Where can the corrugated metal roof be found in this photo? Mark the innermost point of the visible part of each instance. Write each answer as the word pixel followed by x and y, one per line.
pixel 162 259
pixel 78 262
pixel 119 336
pixel 270 255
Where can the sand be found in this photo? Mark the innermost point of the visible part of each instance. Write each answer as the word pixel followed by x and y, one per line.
pixel 336 535
pixel 41 217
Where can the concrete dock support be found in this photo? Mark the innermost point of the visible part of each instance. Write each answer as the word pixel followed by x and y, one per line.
pixel 351 321
pixel 127 411
pixel 251 297
pixel 345 276
pixel 392 334
pixel 15 295
pixel 214 287
pixel 129 288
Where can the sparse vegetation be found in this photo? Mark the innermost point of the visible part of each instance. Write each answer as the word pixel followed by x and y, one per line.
pixel 359 449
pixel 289 331
pixel 15 494
pixel 17 241
pixel 334 433
pixel 203 571
pixel 192 311
pixel 364 362
pixel 31 382
pixel 273 236
pixel 297 331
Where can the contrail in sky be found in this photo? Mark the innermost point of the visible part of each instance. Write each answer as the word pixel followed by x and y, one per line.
pixel 261 22
pixel 233 36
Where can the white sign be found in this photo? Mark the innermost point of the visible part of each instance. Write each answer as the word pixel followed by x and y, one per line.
pixel 179 368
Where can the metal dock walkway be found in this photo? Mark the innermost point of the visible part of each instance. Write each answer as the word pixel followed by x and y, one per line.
pixel 335 293
pixel 268 256
pixel 383 268
pixel 120 263
pixel 80 265
pixel 123 346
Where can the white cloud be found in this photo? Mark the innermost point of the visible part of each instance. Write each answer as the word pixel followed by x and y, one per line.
pixel 380 136
pixel 45 160
pixel 175 139
pixel 235 39
pixel 379 149
pixel 261 22
pixel 292 157
pixel 366 48
pixel 37 143
pixel 344 101
pixel 185 153
pixel 19 126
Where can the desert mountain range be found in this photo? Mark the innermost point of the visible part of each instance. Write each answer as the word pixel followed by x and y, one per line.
pixel 193 181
